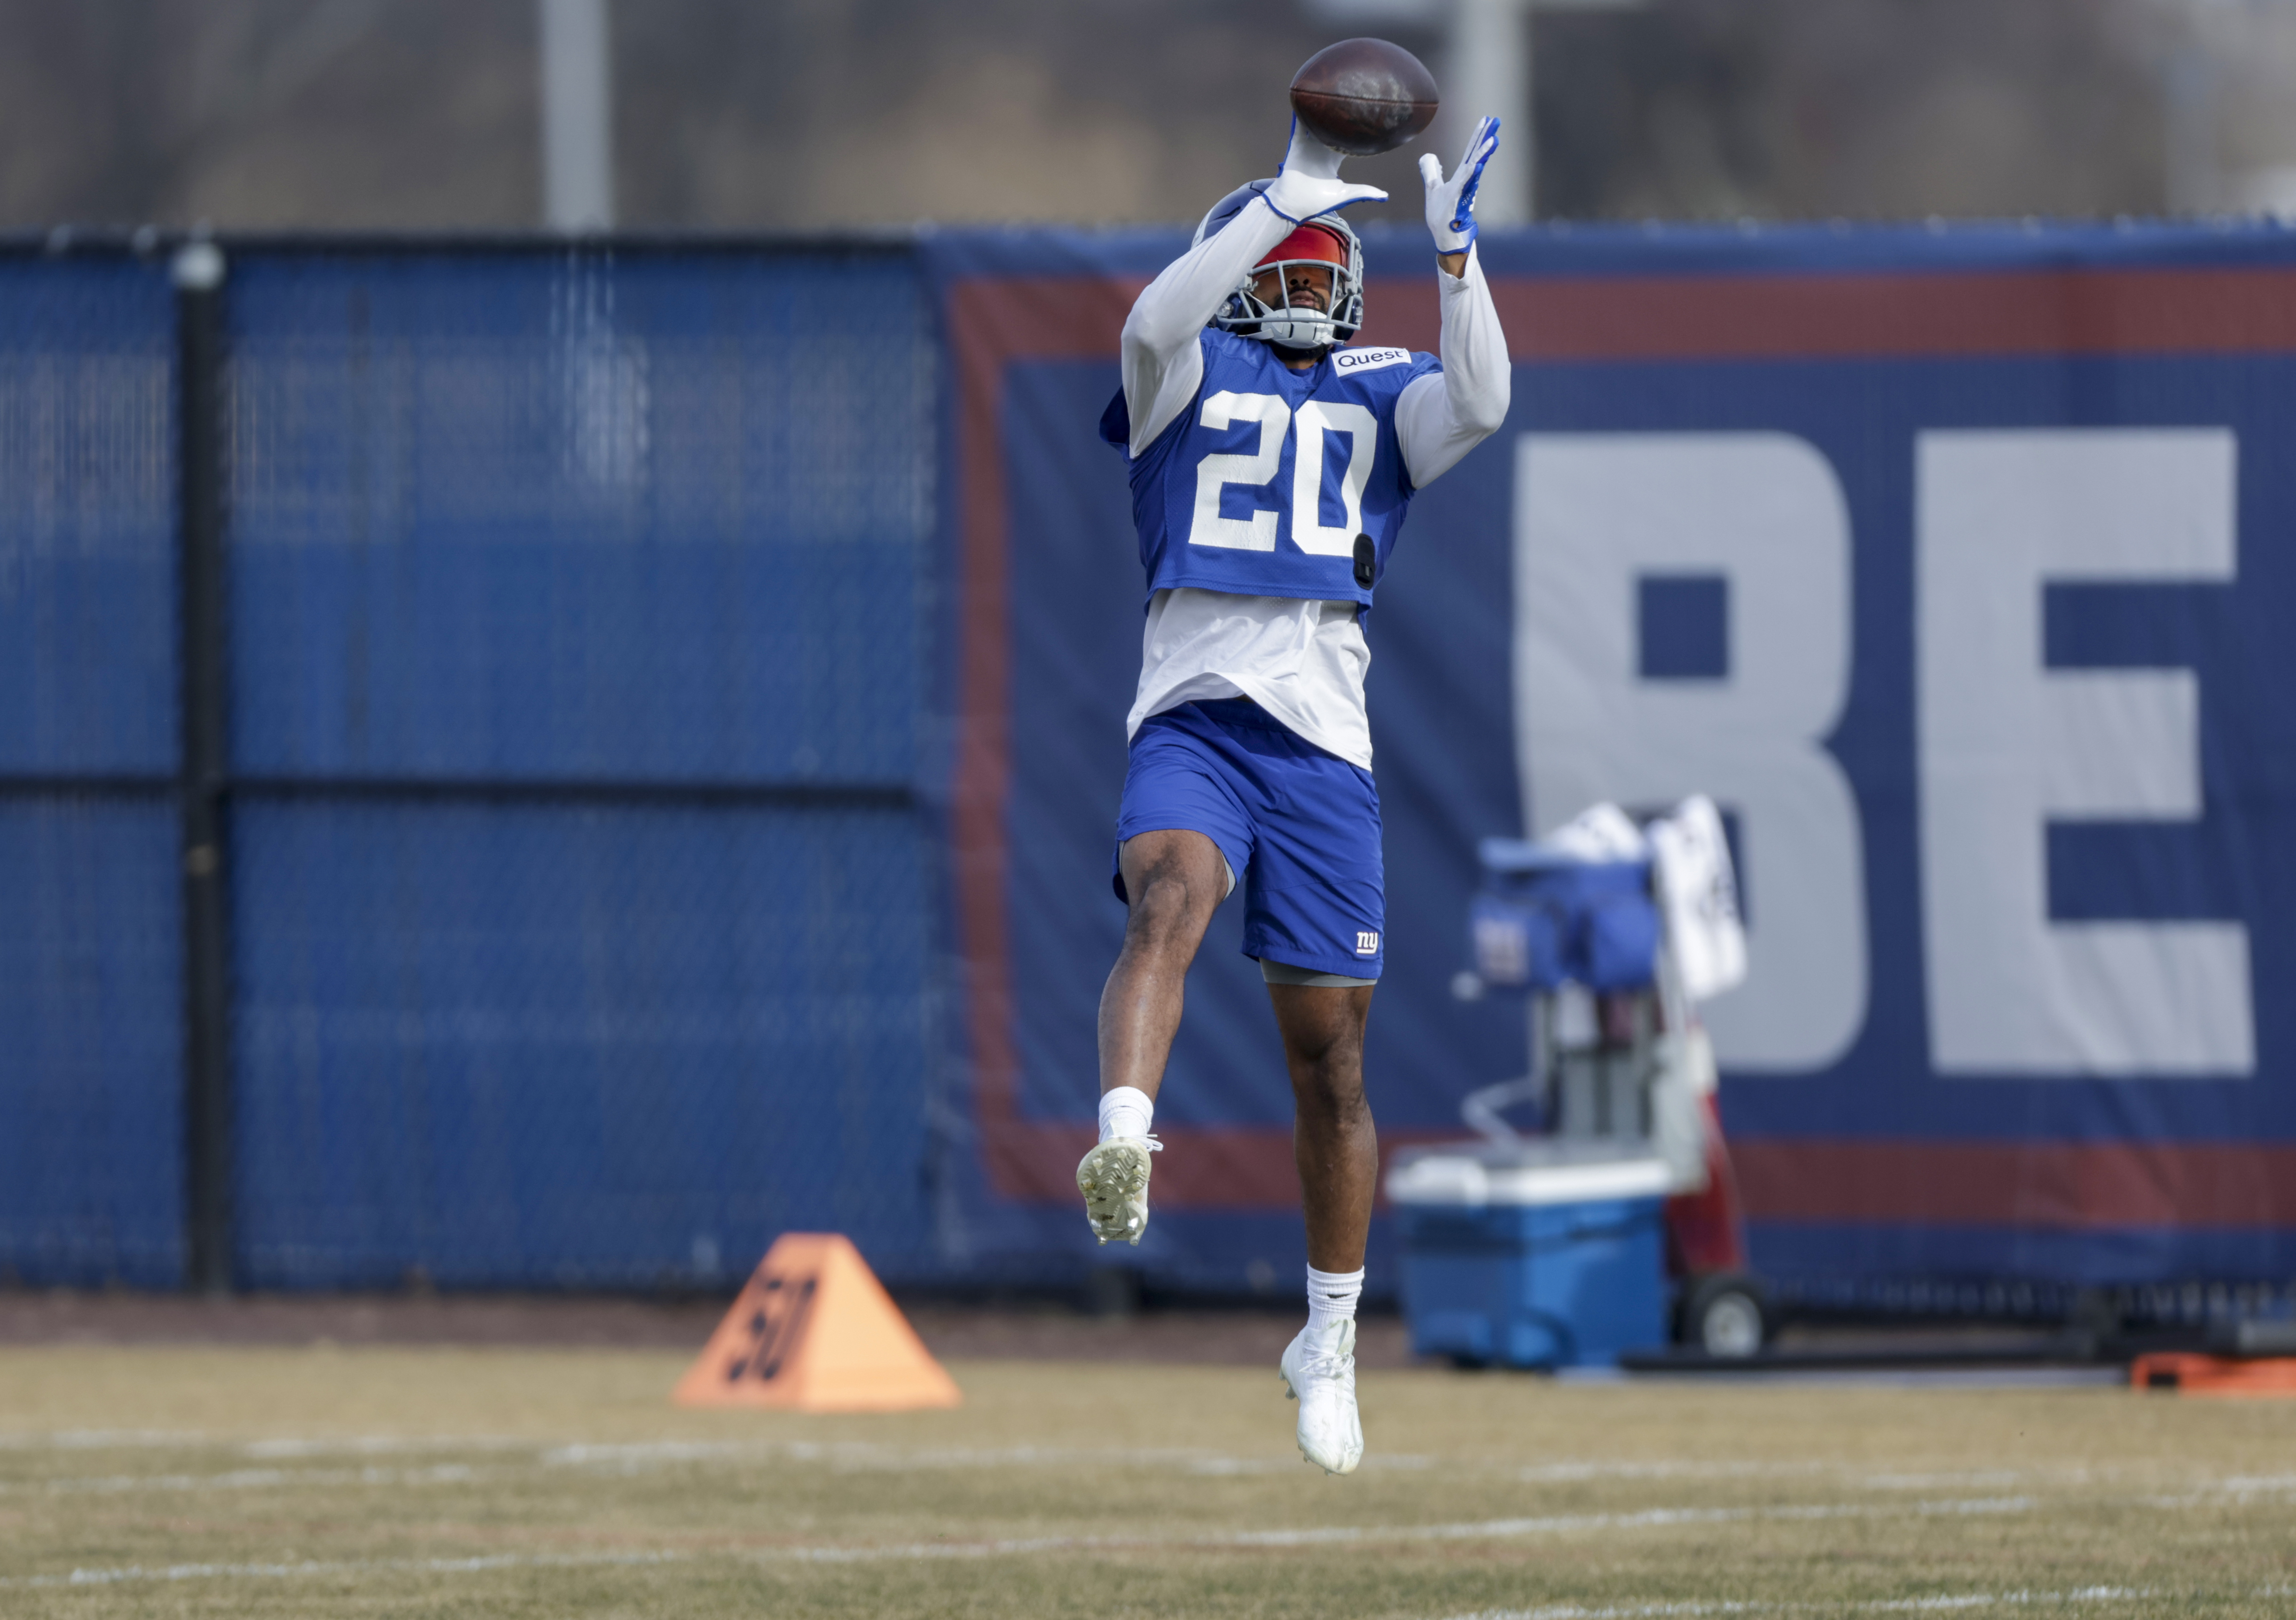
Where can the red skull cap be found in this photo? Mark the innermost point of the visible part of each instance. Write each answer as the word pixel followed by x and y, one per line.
pixel 1308 241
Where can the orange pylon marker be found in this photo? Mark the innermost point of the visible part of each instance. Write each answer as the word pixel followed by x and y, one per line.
pixel 2215 1375
pixel 815 1330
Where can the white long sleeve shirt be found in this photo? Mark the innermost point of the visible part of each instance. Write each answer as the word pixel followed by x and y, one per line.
pixel 1303 661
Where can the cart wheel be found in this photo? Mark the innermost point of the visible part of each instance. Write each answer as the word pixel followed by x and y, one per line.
pixel 1724 1315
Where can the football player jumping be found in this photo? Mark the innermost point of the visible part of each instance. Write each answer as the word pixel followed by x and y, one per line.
pixel 1271 466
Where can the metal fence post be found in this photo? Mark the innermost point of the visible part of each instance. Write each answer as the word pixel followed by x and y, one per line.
pixel 199 275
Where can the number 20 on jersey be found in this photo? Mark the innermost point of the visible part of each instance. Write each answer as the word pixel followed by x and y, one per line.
pixel 1257 468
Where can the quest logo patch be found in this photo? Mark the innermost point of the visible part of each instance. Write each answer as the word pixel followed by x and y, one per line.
pixel 1346 360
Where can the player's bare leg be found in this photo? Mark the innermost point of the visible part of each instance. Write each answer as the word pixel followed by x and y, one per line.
pixel 1174 879
pixel 1333 1138
pixel 1337 1149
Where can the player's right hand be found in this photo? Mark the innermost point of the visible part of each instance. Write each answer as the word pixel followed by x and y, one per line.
pixel 1451 203
pixel 1308 183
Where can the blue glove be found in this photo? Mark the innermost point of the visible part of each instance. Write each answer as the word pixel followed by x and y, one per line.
pixel 1451 203
pixel 1308 183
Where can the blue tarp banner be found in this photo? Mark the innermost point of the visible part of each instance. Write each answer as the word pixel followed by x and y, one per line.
pixel 675 726
pixel 1951 564
pixel 580 932
pixel 91 964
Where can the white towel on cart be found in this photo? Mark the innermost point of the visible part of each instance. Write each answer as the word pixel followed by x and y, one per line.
pixel 1698 897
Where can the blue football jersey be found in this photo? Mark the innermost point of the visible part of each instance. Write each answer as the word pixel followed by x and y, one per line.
pixel 1263 485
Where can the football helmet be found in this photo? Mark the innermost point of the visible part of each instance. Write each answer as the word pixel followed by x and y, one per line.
pixel 1325 239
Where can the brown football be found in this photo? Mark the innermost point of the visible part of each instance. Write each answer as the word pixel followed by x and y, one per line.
pixel 1363 96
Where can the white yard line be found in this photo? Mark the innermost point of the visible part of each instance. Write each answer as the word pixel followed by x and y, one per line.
pixel 1493 1529
pixel 1497 1529
pixel 243 1479
pixel 284 1446
pixel 1941 1603
pixel 287 1447
pixel 1574 1472
pixel 868 1456
pixel 630 1456
pixel 276 1572
pixel 1937 1603
pixel 98 1439
pixel 863 1456
pixel 1475 1530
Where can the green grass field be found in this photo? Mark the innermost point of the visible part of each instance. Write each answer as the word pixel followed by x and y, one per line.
pixel 159 1481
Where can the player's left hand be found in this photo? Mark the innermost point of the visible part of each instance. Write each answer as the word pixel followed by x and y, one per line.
pixel 1308 183
pixel 1451 203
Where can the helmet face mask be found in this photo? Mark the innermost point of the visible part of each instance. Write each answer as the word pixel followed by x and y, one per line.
pixel 1282 324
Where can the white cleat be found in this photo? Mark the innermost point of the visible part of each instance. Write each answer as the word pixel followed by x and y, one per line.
pixel 1319 1372
pixel 1113 1178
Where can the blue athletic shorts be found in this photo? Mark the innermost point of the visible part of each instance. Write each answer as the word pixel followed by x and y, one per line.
pixel 1300 827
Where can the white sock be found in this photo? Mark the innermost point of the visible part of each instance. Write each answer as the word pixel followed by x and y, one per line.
pixel 1125 1111
pixel 1332 1296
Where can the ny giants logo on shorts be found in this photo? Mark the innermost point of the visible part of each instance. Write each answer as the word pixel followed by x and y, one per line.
pixel 1366 943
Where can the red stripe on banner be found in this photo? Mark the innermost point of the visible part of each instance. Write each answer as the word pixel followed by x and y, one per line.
pixel 991 324
pixel 1243 1169
pixel 1197 1170
pixel 1788 317
pixel 2053 1186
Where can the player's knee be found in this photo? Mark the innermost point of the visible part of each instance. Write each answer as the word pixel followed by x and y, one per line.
pixel 1327 1078
pixel 1165 909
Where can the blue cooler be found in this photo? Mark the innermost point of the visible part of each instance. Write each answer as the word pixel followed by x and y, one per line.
pixel 1539 1253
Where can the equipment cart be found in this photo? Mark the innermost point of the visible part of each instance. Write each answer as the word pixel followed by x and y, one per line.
pixel 1613 931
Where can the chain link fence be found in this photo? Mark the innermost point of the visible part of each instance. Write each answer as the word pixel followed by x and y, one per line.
pixel 91 970
pixel 576 879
